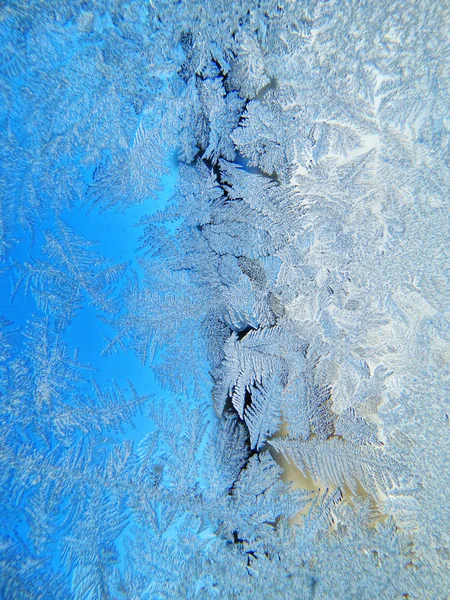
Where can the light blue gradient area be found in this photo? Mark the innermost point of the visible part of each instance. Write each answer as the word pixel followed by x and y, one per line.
pixel 117 236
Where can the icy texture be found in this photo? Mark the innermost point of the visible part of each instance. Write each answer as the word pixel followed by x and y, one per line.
pixel 297 281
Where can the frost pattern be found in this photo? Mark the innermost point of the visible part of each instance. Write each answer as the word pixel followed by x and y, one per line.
pixel 297 282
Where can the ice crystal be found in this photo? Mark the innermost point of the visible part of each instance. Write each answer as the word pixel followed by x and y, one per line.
pixel 290 298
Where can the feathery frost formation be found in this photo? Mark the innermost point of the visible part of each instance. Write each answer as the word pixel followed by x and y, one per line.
pixel 297 281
